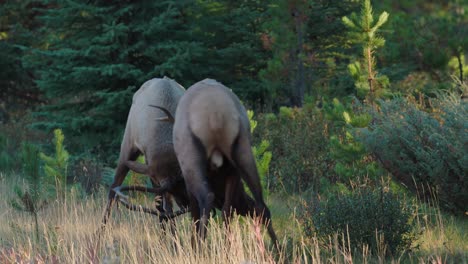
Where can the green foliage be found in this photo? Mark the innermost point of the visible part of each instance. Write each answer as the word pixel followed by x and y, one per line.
pixel 298 144
pixel 305 40
pixel 229 48
pixel 286 112
pixel 454 65
pixel 94 55
pixel 30 198
pixel 424 148
pixel 89 173
pixel 252 121
pixel 7 161
pixel 55 167
pixel 376 218
pixel 353 161
pixel 262 155
pixel 424 39
pixel 17 90
pixel 363 31
pixel 263 159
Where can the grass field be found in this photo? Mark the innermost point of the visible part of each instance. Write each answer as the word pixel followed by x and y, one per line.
pixel 68 234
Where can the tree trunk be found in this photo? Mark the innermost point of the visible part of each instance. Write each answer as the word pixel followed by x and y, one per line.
pixel 460 66
pixel 370 77
pixel 300 74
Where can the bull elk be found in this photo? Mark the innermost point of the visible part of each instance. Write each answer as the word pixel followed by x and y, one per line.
pixel 144 136
pixel 212 142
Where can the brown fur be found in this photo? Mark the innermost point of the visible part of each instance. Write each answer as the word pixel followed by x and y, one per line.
pixel 211 124
pixel 145 136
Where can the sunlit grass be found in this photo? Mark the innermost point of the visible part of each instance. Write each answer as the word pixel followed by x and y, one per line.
pixel 68 234
pixel 442 235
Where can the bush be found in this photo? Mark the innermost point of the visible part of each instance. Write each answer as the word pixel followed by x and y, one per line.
pixel 299 146
pixel 30 197
pixel 376 218
pixel 424 148
pixel 88 173
pixel 12 135
pixel 55 166
pixel 353 161
pixel 7 160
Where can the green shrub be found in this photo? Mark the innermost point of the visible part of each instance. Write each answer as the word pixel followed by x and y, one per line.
pixel 353 161
pixel 423 148
pixel 299 147
pixel 88 173
pixel 262 155
pixel 55 166
pixel 30 197
pixel 376 218
pixel 7 160
pixel 12 135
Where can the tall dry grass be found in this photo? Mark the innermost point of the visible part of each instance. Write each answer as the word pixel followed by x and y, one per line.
pixel 69 235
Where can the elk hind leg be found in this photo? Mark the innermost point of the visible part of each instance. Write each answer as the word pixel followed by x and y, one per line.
pixel 244 159
pixel 231 186
pixel 194 170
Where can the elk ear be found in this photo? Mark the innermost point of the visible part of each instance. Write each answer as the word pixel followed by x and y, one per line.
pixel 169 118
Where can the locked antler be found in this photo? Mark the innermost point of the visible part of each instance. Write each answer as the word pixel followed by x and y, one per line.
pixel 123 199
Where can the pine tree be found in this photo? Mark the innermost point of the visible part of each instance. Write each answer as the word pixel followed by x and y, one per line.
pixel 16 27
pixel 55 166
pixel 31 197
pixel 306 42
pixel 95 54
pixel 363 31
pixel 230 48
pixel 352 160
pixel 262 155
pixel 285 35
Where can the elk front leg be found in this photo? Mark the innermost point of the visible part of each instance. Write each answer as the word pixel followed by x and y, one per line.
pixel 119 177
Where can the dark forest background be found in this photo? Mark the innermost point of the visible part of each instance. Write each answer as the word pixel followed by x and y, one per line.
pixel 74 65
pixel 354 105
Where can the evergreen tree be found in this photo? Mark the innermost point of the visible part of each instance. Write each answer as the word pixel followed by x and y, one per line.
pixel 285 35
pixel 307 43
pixel 352 161
pixel 262 155
pixel 424 38
pixel 229 34
pixel 363 31
pixel 16 27
pixel 95 54
pixel 30 197
pixel 55 166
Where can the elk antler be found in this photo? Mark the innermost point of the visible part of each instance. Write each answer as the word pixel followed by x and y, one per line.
pixel 168 118
pixel 125 201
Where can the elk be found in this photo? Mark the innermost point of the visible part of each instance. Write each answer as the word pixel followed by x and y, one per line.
pixel 212 142
pixel 144 136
